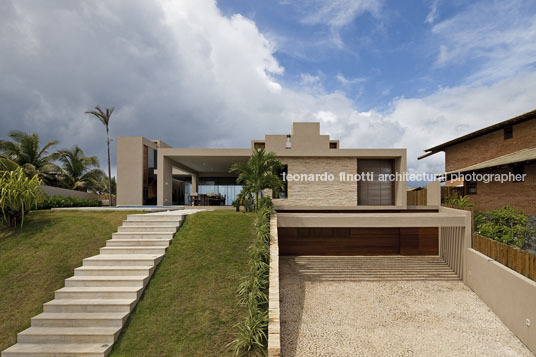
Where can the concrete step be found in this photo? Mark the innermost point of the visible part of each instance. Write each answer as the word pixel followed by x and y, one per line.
pixel 78 335
pixel 155 217
pixel 56 350
pixel 143 235
pixel 133 250
pixel 54 319
pixel 89 305
pixel 175 224
pixel 80 292
pixel 143 229
pixel 114 270
pixel 107 281
pixel 118 242
pixel 145 260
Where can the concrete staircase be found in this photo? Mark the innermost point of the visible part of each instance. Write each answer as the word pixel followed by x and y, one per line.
pixel 86 316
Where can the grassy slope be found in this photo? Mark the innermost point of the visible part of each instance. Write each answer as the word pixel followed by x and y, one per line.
pixel 189 307
pixel 35 261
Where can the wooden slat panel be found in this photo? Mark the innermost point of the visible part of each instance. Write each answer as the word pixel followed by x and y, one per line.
pixel 338 241
pixel 419 241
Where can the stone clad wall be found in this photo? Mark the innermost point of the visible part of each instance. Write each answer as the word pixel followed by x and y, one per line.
pixel 319 193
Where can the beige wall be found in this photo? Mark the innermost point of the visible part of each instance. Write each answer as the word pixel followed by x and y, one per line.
pixel 510 295
pixel 130 169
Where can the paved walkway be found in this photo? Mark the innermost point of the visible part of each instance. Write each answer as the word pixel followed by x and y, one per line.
pixel 352 306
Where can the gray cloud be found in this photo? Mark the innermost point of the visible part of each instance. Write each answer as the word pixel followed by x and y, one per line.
pixel 182 72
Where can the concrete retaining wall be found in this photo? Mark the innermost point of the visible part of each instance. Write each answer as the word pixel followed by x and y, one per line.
pixel 63 192
pixel 510 295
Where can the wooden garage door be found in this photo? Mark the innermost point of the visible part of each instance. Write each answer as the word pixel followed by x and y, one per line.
pixel 357 241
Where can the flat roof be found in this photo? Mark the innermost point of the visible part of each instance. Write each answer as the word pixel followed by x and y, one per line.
pixel 518 119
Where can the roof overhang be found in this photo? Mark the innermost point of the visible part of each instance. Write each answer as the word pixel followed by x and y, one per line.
pixel 524 156
pixel 518 119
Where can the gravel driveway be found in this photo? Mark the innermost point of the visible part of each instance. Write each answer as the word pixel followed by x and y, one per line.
pixel 329 308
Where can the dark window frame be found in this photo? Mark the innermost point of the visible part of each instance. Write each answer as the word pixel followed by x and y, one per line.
pixel 470 188
pixel 518 170
pixel 508 132
pixel 333 146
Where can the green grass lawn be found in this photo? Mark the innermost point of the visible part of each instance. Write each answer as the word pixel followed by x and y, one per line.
pixel 189 307
pixel 35 262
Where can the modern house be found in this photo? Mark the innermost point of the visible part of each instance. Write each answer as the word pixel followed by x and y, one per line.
pixel 327 206
pixel 507 148
pixel 151 172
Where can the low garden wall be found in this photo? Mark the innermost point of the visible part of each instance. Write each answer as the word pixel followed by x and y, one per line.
pixel 63 192
pixel 510 295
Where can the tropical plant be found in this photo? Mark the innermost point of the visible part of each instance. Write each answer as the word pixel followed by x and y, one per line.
pixel 7 164
pixel 505 225
pixel 266 202
pixel 458 201
pixel 18 194
pixel 245 198
pixel 79 172
pixel 104 117
pixel 25 151
pixel 253 292
pixel 259 173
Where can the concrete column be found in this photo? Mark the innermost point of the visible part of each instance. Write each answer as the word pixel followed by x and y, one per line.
pixel 164 183
pixel 195 179
pixel 433 194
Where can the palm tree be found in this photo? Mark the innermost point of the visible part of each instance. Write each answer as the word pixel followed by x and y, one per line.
pixel 80 172
pixel 26 152
pixel 259 173
pixel 104 117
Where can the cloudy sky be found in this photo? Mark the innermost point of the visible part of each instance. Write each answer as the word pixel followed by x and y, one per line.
pixel 375 73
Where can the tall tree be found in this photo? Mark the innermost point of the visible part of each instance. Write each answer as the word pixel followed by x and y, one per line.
pixel 25 150
pixel 259 173
pixel 79 171
pixel 104 117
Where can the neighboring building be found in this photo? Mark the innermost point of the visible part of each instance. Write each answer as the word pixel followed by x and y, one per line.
pixel 503 148
pixel 151 172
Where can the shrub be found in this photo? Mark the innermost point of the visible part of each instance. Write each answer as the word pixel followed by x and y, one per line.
pixel 18 194
pixel 59 201
pixel 266 202
pixel 252 336
pixel 458 201
pixel 505 225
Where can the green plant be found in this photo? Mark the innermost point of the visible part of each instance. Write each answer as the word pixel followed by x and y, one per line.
pixel 18 194
pixel 245 198
pixel 505 225
pixel 236 204
pixel 80 172
pixel 104 117
pixel 458 201
pixel 253 291
pixel 60 201
pixel 259 173
pixel 266 202
pixel 25 150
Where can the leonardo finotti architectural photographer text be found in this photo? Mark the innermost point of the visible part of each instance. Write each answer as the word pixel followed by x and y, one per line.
pixel 405 176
